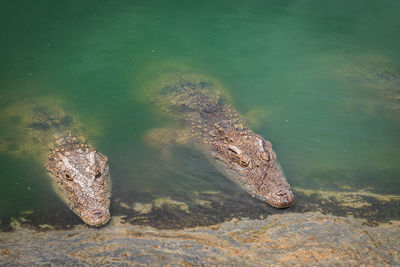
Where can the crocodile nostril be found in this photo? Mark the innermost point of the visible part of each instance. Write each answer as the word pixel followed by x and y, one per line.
pixel 245 160
pixel 97 213
pixel 282 192
pixel 97 217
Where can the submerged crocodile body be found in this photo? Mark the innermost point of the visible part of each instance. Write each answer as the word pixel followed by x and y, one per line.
pixel 378 74
pixel 245 157
pixel 79 173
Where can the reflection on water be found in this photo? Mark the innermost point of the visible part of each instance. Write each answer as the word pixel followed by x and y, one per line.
pixel 320 87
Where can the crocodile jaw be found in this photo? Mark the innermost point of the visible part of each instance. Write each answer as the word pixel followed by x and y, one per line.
pixel 283 198
pixel 276 190
pixel 82 176
pixel 253 164
pixel 96 217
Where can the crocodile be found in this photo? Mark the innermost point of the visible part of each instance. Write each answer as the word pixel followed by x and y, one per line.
pixel 378 74
pixel 79 174
pixel 372 78
pixel 204 109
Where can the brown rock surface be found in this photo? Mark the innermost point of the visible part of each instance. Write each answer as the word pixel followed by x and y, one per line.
pixel 296 239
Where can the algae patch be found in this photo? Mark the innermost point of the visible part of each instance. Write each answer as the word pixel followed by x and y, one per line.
pixel 142 208
pixel 160 202
pixel 353 199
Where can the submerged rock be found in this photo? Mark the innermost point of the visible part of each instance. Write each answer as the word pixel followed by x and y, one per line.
pixel 297 239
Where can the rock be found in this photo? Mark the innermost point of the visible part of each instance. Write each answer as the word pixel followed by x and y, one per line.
pixel 297 239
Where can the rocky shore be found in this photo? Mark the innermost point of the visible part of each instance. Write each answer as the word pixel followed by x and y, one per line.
pixel 295 239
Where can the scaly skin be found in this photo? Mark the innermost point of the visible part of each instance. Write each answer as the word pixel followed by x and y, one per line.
pixel 246 157
pixel 79 174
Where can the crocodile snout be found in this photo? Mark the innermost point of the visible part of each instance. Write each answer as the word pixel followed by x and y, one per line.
pixel 284 197
pixel 96 217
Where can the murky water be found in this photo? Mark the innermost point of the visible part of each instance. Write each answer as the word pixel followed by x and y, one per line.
pixel 320 81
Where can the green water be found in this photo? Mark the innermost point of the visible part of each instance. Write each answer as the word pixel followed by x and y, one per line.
pixel 319 79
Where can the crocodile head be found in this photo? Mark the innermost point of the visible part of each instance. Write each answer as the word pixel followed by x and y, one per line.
pixel 254 161
pixel 83 179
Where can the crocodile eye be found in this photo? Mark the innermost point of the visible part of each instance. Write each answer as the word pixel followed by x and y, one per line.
pixel 68 176
pixel 244 160
pixel 265 156
pixel 234 149
pixel 267 145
